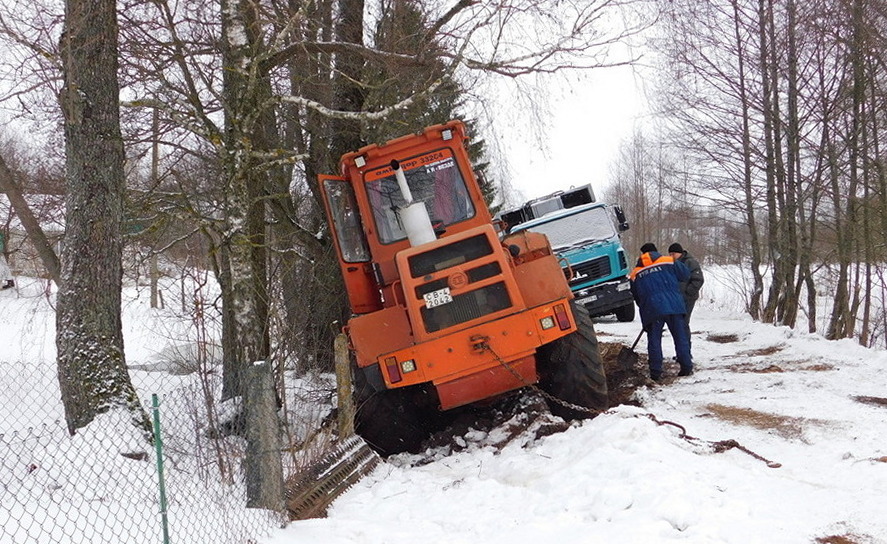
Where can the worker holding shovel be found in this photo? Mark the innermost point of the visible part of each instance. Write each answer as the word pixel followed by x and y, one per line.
pixel 655 287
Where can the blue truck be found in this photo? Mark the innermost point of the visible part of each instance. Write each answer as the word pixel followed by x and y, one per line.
pixel 585 235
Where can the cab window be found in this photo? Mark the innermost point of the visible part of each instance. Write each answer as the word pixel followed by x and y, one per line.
pixel 434 179
pixel 346 221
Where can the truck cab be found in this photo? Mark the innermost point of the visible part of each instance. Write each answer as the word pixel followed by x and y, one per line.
pixel 585 235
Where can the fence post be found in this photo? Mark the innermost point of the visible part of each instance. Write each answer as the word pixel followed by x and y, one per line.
pixel 158 445
pixel 345 402
pixel 262 463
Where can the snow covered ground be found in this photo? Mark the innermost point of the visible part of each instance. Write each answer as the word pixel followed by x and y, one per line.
pixel 815 409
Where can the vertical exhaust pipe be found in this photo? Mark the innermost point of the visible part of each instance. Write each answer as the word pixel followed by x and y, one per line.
pixel 414 216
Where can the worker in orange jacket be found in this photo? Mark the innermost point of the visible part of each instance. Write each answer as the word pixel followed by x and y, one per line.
pixel 655 285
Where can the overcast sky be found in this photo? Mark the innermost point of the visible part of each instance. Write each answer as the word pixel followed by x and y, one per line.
pixel 588 121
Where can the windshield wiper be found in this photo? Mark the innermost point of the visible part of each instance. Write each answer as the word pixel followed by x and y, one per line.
pixel 579 243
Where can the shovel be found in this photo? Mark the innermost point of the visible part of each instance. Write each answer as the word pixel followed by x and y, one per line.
pixel 627 357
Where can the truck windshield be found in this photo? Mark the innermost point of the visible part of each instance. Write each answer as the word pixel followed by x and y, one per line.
pixel 433 178
pixel 577 229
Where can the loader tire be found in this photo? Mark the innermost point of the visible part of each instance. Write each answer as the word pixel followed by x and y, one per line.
pixel 572 370
pixel 391 421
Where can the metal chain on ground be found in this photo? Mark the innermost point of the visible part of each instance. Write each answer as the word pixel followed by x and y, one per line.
pixel 717 447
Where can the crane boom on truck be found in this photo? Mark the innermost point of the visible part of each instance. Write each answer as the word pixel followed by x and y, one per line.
pixel 446 309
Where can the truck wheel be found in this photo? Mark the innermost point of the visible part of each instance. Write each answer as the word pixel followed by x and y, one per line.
pixel 625 313
pixel 572 370
pixel 391 421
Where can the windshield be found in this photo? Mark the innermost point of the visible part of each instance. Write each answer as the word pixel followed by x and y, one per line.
pixel 433 178
pixel 576 229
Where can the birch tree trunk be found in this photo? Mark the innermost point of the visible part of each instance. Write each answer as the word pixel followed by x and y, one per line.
pixel 842 322
pixel 244 218
pixel 757 291
pixel 245 94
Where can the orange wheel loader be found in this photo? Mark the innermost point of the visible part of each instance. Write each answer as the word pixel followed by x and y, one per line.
pixel 447 310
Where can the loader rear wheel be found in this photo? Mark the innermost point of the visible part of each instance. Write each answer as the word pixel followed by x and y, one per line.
pixel 572 370
pixel 395 420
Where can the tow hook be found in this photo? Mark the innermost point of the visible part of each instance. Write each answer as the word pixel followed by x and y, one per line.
pixel 479 343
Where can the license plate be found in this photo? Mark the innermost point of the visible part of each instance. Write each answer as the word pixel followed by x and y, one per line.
pixel 438 298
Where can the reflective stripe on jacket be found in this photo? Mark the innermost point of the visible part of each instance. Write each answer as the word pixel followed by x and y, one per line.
pixel 655 286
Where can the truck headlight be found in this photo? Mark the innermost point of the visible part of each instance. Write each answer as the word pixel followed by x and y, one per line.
pixel 623 286
pixel 547 323
pixel 408 366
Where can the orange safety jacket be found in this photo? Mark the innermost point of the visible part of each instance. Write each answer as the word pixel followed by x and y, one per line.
pixel 655 285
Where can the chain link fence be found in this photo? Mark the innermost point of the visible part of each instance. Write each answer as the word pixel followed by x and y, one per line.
pixel 102 483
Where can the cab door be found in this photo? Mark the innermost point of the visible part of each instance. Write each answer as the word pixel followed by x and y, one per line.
pixel 351 244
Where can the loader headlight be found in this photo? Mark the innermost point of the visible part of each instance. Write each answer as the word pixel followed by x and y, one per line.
pixel 408 366
pixel 547 323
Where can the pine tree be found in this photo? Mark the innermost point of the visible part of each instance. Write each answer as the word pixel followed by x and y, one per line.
pixel 403 29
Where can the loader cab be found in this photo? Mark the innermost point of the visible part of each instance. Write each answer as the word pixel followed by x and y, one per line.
pixel 365 204
pixel 434 179
pixel 445 311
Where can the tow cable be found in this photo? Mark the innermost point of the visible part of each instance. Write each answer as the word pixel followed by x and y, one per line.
pixel 717 447
pixel 484 346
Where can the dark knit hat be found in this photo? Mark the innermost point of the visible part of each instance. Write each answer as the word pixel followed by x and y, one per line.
pixel 648 247
pixel 675 248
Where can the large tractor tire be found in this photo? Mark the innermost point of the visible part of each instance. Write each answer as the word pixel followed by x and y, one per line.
pixel 625 314
pixel 572 370
pixel 393 421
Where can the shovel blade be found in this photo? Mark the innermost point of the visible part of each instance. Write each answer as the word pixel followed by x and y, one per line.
pixel 627 358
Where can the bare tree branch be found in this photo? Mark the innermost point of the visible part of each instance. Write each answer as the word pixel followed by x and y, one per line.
pixel 32 227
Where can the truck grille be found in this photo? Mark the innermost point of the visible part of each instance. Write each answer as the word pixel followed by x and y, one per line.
pixel 474 275
pixel 590 271
pixel 448 256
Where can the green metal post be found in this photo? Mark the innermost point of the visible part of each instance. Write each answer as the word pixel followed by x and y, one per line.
pixel 158 444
